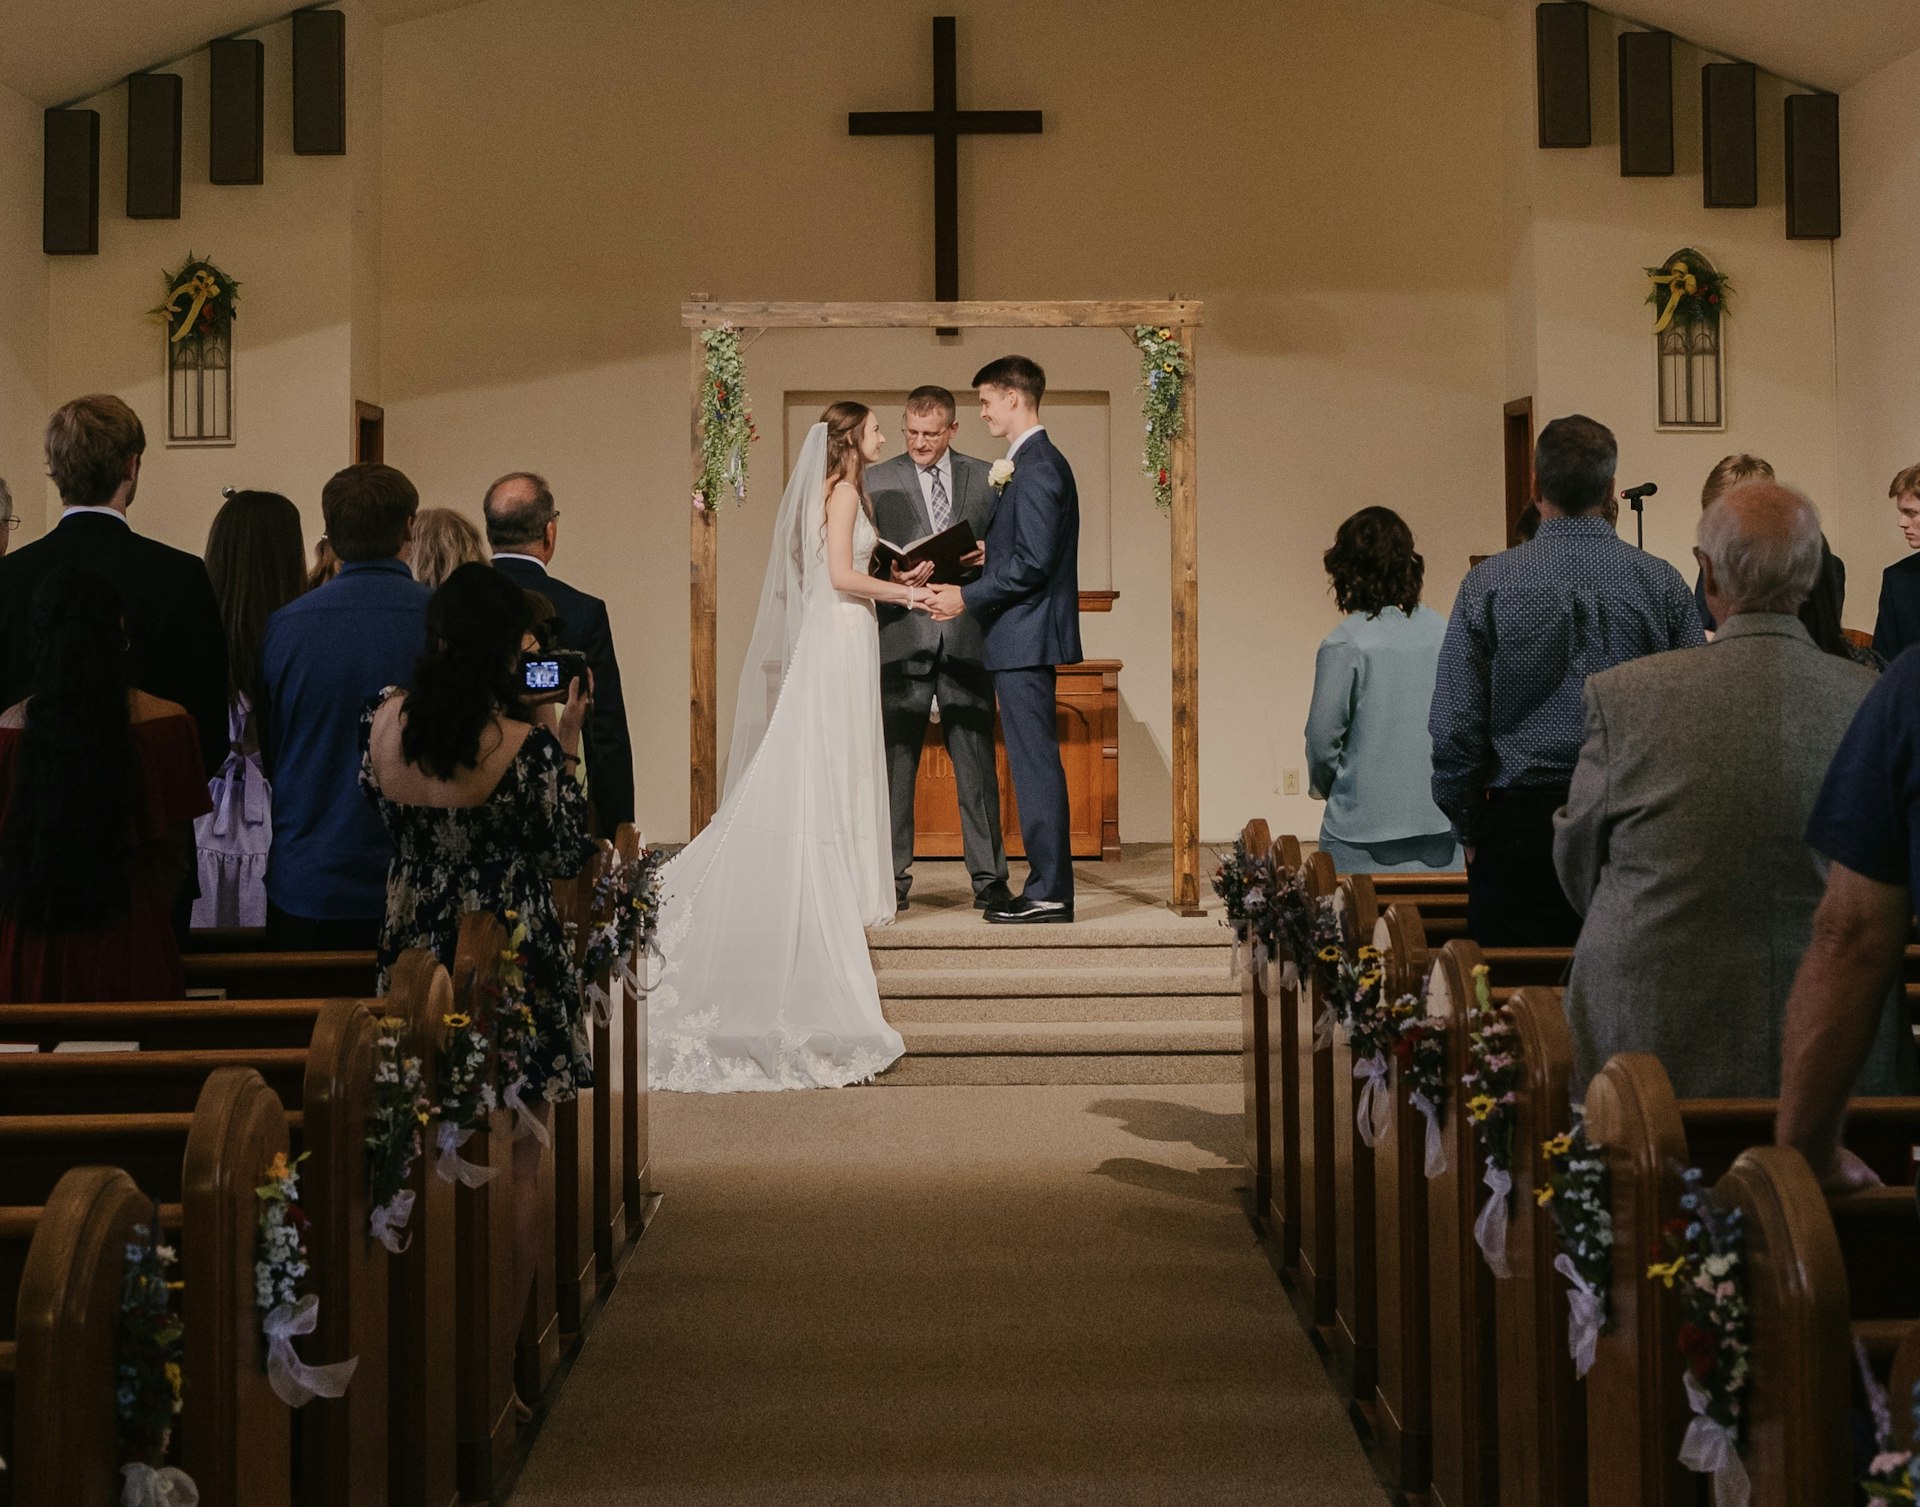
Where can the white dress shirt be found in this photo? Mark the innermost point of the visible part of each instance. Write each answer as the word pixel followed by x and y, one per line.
pixel 111 512
pixel 944 466
pixel 509 554
pixel 1014 448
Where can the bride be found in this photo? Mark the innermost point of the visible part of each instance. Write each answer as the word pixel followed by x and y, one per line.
pixel 765 981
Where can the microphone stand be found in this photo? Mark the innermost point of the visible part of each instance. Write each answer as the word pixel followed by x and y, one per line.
pixel 1639 522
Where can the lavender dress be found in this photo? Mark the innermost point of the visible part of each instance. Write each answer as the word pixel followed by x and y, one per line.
pixel 234 837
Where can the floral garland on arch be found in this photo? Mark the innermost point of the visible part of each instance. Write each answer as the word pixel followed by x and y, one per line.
pixel 1578 1190
pixel 726 421
pixel 401 1110
pixel 1419 1044
pixel 1687 290
pixel 1705 1249
pixel 149 1352
pixel 280 1263
pixel 1163 380
pixel 199 306
pixel 1490 1090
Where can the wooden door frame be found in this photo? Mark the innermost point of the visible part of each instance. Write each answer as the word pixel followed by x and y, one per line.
pixel 364 414
pixel 1517 497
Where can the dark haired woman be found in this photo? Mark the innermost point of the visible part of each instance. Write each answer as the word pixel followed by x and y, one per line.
pixel 480 799
pixel 99 786
pixel 258 564
pixel 1369 755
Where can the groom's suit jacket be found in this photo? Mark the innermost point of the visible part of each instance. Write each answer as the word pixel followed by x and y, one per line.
pixel 1028 598
pixel 900 515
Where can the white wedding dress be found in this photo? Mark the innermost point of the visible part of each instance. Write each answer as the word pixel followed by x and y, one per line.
pixel 765 981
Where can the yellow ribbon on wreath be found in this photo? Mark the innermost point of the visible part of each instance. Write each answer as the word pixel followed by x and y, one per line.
pixel 1679 283
pixel 200 287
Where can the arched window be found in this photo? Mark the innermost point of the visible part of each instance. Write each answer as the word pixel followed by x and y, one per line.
pixel 1690 375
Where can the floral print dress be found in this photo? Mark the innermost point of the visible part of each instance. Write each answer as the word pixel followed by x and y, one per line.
pixel 502 855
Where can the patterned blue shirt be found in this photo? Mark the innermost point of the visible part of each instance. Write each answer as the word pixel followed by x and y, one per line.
pixel 1528 627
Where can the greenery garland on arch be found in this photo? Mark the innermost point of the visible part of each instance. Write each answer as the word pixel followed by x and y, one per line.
pixel 1163 381
pixel 1687 290
pixel 726 421
pixel 200 305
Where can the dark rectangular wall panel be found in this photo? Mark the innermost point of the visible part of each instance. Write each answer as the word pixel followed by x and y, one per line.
pixel 1560 66
pixel 70 190
pixel 153 146
pixel 1729 141
pixel 1813 167
pixel 320 82
pixel 236 112
pixel 1646 104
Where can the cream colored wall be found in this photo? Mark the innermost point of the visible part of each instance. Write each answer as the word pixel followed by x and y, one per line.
pixel 1879 318
pixel 23 334
pixel 289 243
pixel 1583 236
pixel 1328 178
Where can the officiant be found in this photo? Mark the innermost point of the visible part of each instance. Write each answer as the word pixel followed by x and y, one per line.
pixel 929 488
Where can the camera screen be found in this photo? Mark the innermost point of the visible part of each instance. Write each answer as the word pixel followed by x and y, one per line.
pixel 543 674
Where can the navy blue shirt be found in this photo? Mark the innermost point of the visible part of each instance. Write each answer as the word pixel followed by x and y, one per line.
pixel 1528 627
pixel 1868 814
pixel 326 655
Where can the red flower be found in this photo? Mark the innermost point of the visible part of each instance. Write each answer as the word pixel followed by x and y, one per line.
pixel 1163 476
pixel 1700 1347
pixel 1713 298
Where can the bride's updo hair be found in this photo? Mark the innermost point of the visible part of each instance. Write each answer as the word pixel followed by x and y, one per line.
pixel 846 421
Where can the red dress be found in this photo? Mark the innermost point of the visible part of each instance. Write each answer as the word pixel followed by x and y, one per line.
pixel 134 956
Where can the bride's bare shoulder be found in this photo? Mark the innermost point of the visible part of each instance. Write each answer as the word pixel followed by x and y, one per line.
pixel 843 491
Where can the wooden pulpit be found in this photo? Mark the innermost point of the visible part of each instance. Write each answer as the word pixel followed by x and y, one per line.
pixel 1087 709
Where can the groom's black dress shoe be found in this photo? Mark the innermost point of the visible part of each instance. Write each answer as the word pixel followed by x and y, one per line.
pixel 1025 912
pixel 993 897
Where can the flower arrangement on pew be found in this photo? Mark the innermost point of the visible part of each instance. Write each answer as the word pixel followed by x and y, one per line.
pixel 1705 1250
pixel 1352 988
pixel 1419 1045
pixel 1892 1476
pixel 1247 883
pixel 1577 1189
pixel 401 1110
pixel 280 1262
pixel 149 1350
pixel 1489 1089
pixel 516 1036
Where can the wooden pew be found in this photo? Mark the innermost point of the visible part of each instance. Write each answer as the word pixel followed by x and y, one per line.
pixel 1635 1400
pixel 1312 1135
pixel 576 1273
pixel 282 975
pixel 343 1441
pixel 1256 1011
pixel 236 1437
pixel 1356 1312
pixel 636 1167
pixel 1284 1003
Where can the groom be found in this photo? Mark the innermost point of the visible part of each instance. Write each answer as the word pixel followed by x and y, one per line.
pixel 1028 603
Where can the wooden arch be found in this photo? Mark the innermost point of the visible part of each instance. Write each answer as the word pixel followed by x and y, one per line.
pixel 1183 316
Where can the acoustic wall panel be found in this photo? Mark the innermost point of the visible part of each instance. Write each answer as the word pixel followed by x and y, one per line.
pixel 320 82
pixel 1646 104
pixel 153 146
pixel 1813 167
pixel 236 112
pixel 70 187
pixel 1729 142
pixel 1560 64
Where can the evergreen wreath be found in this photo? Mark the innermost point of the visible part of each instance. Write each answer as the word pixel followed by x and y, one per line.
pixel 200 304
pixel 1686 290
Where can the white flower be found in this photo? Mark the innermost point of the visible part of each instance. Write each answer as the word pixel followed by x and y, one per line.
pixel 1000 475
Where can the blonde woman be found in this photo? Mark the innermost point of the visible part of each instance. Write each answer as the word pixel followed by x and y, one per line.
pixel 443 541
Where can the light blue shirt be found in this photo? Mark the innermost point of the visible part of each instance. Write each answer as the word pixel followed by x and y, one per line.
pixel 1369 755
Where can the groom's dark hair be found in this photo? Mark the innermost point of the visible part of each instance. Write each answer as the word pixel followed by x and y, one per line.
pixel 1017 373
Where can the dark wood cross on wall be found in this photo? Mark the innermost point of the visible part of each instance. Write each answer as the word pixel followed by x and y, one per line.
pixel 946 123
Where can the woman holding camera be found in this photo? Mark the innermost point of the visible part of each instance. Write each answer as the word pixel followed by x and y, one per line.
pixel 480 798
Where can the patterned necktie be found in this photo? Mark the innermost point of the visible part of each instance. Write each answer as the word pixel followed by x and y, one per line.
pixel 941 509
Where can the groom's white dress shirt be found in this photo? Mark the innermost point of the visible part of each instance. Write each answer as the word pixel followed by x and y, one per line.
pixel 944 466
pixel 1014 448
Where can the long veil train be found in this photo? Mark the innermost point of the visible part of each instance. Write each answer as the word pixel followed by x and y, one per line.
pixel 765 981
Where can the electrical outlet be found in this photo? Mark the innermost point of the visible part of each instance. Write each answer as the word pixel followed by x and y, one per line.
pixel 1290 782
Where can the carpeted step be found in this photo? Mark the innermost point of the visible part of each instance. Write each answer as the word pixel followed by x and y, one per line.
pixel 1107 1051
pixel 1114 1069
pixel 1102 958
pixel 1104 978
pixel 1062 1007
pixel 971 931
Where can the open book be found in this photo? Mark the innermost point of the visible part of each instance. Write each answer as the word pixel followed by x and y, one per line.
pixel 944 549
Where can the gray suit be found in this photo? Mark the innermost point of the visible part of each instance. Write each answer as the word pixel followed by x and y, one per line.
pixel 1683 843
pixel 920 659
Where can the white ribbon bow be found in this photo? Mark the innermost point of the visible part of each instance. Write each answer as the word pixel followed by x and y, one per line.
pixel 293 1381
pixel 448 1138
pixel 1586 1315
pixel 1709 1448
pixel 600 1003
pixel 1436 1143
pixel 1323 1028
pixel 1374 1113
pixel 1490 1229
pixel 525 1121
pixel 169 1486
pixel 390 1219
pixel 1289 974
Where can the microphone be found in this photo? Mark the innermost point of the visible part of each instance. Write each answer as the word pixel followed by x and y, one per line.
pixel 1634 495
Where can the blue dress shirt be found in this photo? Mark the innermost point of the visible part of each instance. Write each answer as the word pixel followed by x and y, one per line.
pixel 1368 753
pixel 326 655
pixel 1528 627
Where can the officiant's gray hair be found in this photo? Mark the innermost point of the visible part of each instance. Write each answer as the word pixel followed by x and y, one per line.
pixel 933 399
pixel 519 522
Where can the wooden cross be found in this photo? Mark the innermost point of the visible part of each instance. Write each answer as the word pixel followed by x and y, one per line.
pixel 946 123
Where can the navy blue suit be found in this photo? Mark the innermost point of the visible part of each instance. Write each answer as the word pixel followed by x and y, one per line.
pixel 1899 622
pixel 1027 601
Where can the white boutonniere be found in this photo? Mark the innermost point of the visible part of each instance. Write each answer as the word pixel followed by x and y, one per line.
pixel 1000 475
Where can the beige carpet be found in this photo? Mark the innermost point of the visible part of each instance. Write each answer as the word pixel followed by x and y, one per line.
pixel 945 1296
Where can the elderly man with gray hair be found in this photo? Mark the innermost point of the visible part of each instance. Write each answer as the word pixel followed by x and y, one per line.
pixel 1682 840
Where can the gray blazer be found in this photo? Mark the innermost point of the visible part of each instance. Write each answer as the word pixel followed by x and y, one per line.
pixel 900 513
pixel 1683 843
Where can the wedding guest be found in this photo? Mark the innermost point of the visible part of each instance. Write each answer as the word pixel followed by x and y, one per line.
pixel 1698 898
pixel 443 541
pixel 99 786
pixel 1368 754
pixel 1728 472
pixel 178 648
pixel 1529 626
pixel 8 522
pixel 256 560
pixel 1866 822
pixel 1898 623
pixel 326 564
pixel 523 531
pixel 1821 614
pixel 326 654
